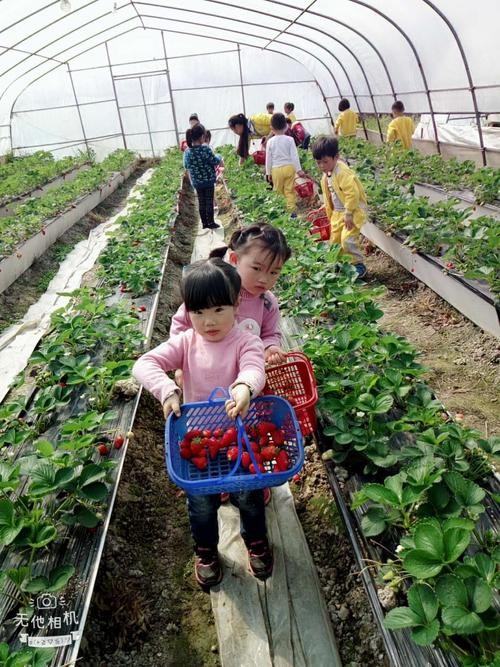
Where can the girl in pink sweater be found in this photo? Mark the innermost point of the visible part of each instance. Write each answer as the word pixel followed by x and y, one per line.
pixel 215 352
pixel 258 252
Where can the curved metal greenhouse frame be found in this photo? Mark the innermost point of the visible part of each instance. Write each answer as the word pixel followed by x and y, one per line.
pixel 373 51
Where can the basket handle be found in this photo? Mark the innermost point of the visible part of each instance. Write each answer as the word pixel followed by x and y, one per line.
pixel 243 438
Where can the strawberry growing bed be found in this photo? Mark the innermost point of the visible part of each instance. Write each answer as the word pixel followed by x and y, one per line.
pixel 423 484
pixel 20 176
pixel 62 430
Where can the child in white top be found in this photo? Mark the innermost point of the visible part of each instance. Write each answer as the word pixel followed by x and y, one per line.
pixel 282 161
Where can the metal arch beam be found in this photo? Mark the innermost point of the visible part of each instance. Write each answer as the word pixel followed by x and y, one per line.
pixel 161 6
pixel 472 89
pixel 239 41
pixel 250 23
pixel 29 53
pixel 360 67
pixel 280 42
pixel 302 11
pixel 124 32
pixel 295 21
pixel 97 18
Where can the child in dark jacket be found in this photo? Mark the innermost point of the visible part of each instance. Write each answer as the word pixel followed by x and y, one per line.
pixel 201 161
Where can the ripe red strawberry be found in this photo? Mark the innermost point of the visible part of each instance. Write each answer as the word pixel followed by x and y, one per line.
pixel 278 437
pixel 259 458
pixel 251 468
pixel 266 427
pixel 450 265
pixel 268 453
pixel 103 449
pixel 207 433
pixel 118 441
pixel 186 453
pixel 232 453
pixel 200 462
pixel 254 446
pixel 296 478
pixel 193 433
pixel 252 432
pixel 197 446
pixel 229 437
pixel 282 461
pixel 218 432
pixel 245 460
pixel 263 441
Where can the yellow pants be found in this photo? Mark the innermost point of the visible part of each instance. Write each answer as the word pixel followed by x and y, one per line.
pixel 284 183
pixel 348 238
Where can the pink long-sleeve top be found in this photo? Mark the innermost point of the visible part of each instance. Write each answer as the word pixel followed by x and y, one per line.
pixel 259 315
pixel 239 357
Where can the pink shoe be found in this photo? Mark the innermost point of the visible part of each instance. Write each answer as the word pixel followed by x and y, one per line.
pixel 267 496
pixel 224 497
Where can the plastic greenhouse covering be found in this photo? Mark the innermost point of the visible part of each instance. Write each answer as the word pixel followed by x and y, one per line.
pixel 104 73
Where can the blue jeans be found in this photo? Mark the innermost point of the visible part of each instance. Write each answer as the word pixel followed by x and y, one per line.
pixel 203 517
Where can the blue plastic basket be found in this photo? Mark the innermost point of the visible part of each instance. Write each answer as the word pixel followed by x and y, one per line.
pixel 221 474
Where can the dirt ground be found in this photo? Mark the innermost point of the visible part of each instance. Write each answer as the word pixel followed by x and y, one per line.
pixel 463 361
pixel 25 291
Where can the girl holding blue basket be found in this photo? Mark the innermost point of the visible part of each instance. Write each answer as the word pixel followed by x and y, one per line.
pixel 214 352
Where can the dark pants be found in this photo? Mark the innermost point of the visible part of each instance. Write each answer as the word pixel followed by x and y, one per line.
pixel 206 204
pixel 203 517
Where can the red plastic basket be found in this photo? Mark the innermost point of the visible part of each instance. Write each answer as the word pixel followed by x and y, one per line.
pixel 304 187
pixel 259 157
pixel 295 381
pixel 320 224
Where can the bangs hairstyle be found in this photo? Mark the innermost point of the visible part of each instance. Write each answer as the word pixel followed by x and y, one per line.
pixel 269 238
pixel 210 283
pixel 325 147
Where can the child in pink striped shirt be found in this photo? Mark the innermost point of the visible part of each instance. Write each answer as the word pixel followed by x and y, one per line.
pixel 214 352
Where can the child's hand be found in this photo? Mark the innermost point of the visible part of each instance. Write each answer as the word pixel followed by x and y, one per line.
pixel 302 174
pixel 348 221
pixel 274 355
pixel 172 404
pixel 240 401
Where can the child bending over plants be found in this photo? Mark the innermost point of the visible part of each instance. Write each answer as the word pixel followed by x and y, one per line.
pixel 344 198
pixel 258 252
pixel 214 352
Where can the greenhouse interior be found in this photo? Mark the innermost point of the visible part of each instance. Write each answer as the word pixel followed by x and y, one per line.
pixel 300 200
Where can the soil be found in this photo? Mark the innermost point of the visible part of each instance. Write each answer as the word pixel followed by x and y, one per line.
pixel 147 610
pixel 463 361
pixel 29 287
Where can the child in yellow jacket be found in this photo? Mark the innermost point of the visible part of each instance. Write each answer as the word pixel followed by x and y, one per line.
pixel 401 128
pixel 344 199
pixel 347 120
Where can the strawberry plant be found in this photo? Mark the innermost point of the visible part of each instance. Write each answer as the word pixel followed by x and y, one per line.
pixel 383 419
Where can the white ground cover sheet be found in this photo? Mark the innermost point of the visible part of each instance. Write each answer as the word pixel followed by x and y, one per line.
pixel 18 341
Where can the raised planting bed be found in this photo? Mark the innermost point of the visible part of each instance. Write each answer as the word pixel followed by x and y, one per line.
pixel 15 265
pixel 9 205
pixel 470 297
pixel 64 436
pixel 466 199
pixel 21 176
pixel 423 484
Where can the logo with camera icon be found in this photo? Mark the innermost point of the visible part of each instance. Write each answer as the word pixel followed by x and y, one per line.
pixel 46 601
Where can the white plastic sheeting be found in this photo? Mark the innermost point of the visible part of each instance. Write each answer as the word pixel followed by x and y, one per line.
pixel 431 53
pixel 18 341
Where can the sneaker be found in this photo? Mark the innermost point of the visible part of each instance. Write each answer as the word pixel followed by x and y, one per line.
pixel 267 496
pixel 260 557
pixel 212 226
pixel 293 215
pixel 361 269
pixel 207 569
pixel 224 497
